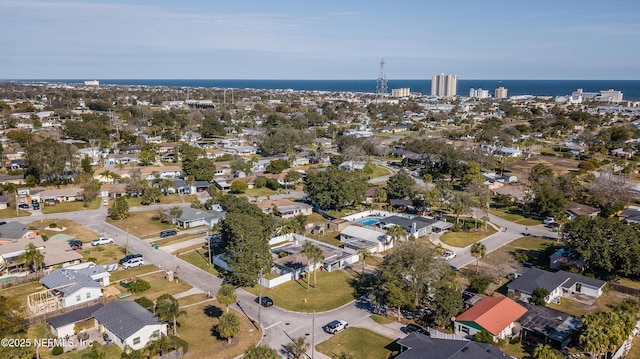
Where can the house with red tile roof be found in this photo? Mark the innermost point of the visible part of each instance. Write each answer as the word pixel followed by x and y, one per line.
pixel 493 314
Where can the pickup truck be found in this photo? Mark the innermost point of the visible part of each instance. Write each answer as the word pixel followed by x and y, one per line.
pixel 101 240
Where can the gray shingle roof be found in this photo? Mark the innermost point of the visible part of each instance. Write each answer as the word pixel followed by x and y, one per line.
pixel 68 281
pixel 420 222
pixel 124 318
pixel 537 278
pixel 424 347
pixel 74 316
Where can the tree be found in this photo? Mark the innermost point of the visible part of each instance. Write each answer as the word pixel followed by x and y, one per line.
pixel 503 264
pixel 11 316
pixel 308 249
pixel 334 188
pixel 471 172
pixel 446 303
pixel 227 295
pixel 396 232
pixel 120 209
pixel 412 268
pixel 298 347
pixel 203 169
pixel 277 166
pixel 261 352
pixel 146 303
pixel 85 165
pixel 292 177
pixel 461 205
pixel 168 309
pixel 32 257
pixel 483 337
pixel 238 186
pixel 229 326
pixel 544 351
pixel 478 250
pixel 151 195
pixel 48 159
pixel 539 296
pixel 363 253
pixel 317 256
pixel 147 157
pixel 479 283
pixel 400 185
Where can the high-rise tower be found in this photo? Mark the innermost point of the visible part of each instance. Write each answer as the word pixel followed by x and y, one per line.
pixel 381 85
pixel 444 85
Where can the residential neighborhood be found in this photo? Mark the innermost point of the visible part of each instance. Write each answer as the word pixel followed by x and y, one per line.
pixel 133 223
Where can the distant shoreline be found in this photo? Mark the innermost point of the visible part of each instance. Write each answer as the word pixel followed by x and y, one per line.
pixel 629 88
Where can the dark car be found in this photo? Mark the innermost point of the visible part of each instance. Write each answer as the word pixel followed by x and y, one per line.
pixel 415 328
pixel 36 205
pixel 23 206
pixel 75 244
pixel 168 233
pixel 129 256
pixel 266 301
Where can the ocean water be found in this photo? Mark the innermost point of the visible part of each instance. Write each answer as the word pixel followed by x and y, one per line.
pixel 629 88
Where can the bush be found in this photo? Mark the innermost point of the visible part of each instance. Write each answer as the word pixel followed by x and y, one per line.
pixel 181 343
pixel 139 286
pixel 57 350
pixel 479 283
pixel 483 337
pixel 514 340
pixel 146 303
pixel 53 225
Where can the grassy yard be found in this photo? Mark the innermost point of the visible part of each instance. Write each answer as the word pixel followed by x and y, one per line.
pixel 72 228
pixel 334 290
pixel 198 258
pixel 329 237
pixel 193 298
pixel 137 271
pixel 463 239
pixel 168 199
pixel 198 328
pixel 177 239
pixel 315 218
pixel 111 351
pixel 259 192
pixel 537 249
pixel 21 291
pixel 103 254
pixel 381 319
pixel 141 224
pixel 71 206
pixel 159 286
pixel 608 299
pixel 514 215
pixel 11 213
pixel 361 343
pixel 379 171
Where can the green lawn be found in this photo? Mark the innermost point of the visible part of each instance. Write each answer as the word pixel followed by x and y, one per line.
pixel 463 239
pixel 361 343
pixel 70 206
pixel 258 192
pixel 11 213
pixel 177 239
pixel 198 258
pixel 137 271
pixel 111 351
pixel 105 254
pixel 141 224
pixel 380 319
pixel 537 249
pixel 168 199
pixel 71 228
pixel 379 171
pixel 334 290
pixel 159 286
pixel 514 215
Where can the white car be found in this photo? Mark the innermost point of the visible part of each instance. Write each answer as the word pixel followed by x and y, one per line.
pixel 549 220
pixel 448 255
pixel 101 240
pixel 105 202
pixel 336 326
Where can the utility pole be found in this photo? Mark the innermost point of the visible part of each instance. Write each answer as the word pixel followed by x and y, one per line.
pixel 260 299
pixel 17 214
pixel 209 242
pixel 313 334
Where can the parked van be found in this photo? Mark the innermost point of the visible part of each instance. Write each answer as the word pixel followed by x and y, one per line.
pixel 168 233
pixel 133 262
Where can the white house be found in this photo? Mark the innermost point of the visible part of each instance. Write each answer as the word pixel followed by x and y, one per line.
pixel 558 284
pixel 73 287
pixel 355 237
pixel 128 324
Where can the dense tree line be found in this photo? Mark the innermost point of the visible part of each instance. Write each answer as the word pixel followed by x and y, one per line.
pixel 335 188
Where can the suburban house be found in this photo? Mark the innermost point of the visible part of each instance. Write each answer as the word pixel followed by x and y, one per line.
pixel 630 215
pixel 355 237
pixel 65 288
pixel 4 202
pixel 63 325
pixel 559 284
pixel 419 346
pixel 56 254
pixel 352 165
pixel 285 208
pixel 493 314
pixel 544 325
pixel 416 226
pixel 57 195
pixel 575 209
pixel 191 217
pixel 113 190
pixel 15 230
pixel 128 324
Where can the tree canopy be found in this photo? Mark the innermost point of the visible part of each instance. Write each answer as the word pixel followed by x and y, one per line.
pixel 400 185
pixel 334 188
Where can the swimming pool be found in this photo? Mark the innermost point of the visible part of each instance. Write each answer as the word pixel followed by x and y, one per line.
pixel 369 221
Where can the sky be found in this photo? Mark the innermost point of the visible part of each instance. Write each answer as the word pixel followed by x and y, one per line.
pixel 322 39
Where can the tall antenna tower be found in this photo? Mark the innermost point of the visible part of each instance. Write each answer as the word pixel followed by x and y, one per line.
pixel 381 85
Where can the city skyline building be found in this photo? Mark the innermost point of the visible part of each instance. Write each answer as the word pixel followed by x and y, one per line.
pixel 478 93
pixel 501 92
pixel 444 85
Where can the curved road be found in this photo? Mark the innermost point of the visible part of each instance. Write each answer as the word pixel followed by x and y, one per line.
pixel 279 325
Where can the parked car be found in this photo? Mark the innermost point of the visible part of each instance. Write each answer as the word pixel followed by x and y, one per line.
pixel 168 233
pixel 36 205
pixel 75 244
pixel 105 202
pixel 448 255
pixel 23 206
pixel 415 328
pixel 133 262
pixel 130 256
pixel 101 240
pixel 549 220
pixel 266 301
pixel 336 326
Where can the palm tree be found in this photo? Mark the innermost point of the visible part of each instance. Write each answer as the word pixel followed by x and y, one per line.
pixel 317 256
pixel 298 347
pixel 307 251
pixel 227 295
pixel 543 352
pixel 108 175
pixel 460 206
pixel 32 257
pixel 229 326
pixel 478 250
pixel 364 253
pixel 168 309
pixel 396 232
